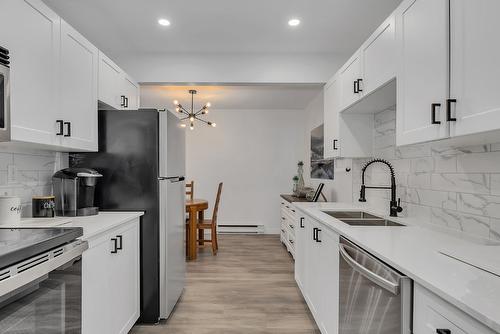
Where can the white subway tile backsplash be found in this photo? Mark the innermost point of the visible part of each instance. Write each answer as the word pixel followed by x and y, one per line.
pixel 471 183
pixel 456 187
pixel 34 162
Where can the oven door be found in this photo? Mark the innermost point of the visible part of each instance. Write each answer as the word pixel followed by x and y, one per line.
pixel 51 301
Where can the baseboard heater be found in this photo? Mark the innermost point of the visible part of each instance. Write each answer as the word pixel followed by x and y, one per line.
pixel 240 229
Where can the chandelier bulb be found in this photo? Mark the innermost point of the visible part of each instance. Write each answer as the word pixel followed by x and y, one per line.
pixel 191 118
pixel 191 127
pixel 208 105
pixel 176 102
pixel 214 125
pixel 183 125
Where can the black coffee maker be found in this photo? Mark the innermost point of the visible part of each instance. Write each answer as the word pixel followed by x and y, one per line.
pixel 74 190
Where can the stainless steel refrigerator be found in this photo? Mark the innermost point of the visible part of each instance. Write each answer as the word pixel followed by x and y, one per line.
pixel 142 159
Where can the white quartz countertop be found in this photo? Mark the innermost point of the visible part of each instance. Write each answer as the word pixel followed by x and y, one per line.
pixel 415 251
pixel 92 225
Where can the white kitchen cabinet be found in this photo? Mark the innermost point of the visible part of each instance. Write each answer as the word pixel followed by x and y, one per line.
pixel 300 252
pixel 110 76
pixel 117 90
pixel 422 81
pixel 379 57
pixel 110 281
pixel 318 272
pixel 332 104
pixel 352 81
pixel 78 93
pixel 431 313
pixel 31 32
pixel 131 92
pixel 475 66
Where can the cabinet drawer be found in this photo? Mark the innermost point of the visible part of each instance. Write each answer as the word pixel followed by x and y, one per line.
pixel 432 313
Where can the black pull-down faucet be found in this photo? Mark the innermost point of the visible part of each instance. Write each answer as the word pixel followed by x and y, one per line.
pixel 395 206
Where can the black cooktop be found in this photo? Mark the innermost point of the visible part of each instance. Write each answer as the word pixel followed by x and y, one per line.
pixel 18 244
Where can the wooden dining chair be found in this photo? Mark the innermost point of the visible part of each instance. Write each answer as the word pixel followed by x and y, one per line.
pixel 211 224
pixel 190 190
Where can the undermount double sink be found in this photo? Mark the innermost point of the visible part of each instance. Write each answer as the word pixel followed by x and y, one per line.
pixel 361 218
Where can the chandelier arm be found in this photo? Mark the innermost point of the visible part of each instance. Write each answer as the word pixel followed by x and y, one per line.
pixel 202 120
pixel 184 118
pixel 199 111
pixel 183 110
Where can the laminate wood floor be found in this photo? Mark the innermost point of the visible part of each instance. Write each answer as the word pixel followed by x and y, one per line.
pixel 248 288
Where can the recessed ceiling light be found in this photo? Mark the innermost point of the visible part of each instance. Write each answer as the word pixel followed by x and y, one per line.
pixel 294 22
pixel 164 22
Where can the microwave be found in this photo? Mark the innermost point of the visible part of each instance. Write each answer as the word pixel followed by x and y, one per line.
pixel 4 93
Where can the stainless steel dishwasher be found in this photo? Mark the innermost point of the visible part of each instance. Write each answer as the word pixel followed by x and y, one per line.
pixel 374 298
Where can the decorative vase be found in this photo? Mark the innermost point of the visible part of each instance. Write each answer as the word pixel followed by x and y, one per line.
pixel 300 174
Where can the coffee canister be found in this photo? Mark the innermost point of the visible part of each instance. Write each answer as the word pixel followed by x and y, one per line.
pixel 43 206
pixel 10 210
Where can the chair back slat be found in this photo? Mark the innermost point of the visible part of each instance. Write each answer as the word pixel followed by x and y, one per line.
pixel 190 190
pixel 216 206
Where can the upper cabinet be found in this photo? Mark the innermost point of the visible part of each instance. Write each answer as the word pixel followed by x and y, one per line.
pixel 448 69
pixel 56 79
pixel 422 85
pixel 352 82
pixel 117 90
pixel 331 96
pixel 31 32
pixel 379 57
pixel 78 93
pixel 475 66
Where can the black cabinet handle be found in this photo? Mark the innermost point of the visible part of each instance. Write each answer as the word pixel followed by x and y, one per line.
pixel 119 245
pixel 443 331
pixel 293 210
pixel 60 131
pixel 122 101
pixel 291 241
pixel 115 244
pixel 356 91
pixel 448 110
pixel 301 222
pixel 359 81
pixel 314 233
pixel 317 235
pixel 434 106
pixel 126 102
pixel 283 218
pixel 291 226
pixel 335 144
pixel 68 128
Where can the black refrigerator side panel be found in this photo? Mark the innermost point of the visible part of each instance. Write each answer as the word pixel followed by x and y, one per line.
pixel 128 161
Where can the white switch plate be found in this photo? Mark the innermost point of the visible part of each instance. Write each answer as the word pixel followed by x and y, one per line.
pixel 11 174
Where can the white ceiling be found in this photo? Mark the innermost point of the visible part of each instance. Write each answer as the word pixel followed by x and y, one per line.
pixel 252 97
pixel 231 26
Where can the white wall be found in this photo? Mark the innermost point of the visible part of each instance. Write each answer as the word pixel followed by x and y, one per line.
pixel 33 173
pixel 232 67
pixel 340 188
pixel 255 153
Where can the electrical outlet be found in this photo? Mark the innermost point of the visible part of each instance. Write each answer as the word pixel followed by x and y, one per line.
pixel 11 174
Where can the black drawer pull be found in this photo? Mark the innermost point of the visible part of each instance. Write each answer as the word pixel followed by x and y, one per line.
pixel 314 233
pixel 356 91
pixel 126 102
pixel 359 81
pixel 115 244
pixel 119 242
pixel 317 235
pixel 122 101
pixel 60 131
pixel 448 110
pixel 434 106
pixel 443 331
pixel 335 144
pixel 68 129
pixel 301 222
pixel 291 226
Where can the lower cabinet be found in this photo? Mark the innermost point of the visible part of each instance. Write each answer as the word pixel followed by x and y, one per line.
pixel 432 315
pixel 110 281
pixel 317 271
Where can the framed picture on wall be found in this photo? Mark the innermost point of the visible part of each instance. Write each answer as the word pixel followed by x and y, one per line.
pixel 320 168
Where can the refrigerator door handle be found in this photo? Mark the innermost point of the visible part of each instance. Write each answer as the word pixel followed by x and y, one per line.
pixel 172 178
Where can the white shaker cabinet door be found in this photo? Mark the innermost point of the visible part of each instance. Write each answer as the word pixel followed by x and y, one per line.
pixel 300 253
pixel 379 57
pixel 110 83
pixel 124 277
pixel 79 64
pixel 31 32
pixel 475 66
pixel 352 83
pixel 422 36
pixel 332 96
pixel 131 92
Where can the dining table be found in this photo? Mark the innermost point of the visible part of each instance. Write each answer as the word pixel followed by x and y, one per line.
pixel 196 209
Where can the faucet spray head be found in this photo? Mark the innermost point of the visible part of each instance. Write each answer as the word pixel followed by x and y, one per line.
pixel 362 197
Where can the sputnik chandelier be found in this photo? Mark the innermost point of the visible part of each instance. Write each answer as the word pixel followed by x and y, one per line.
pixel 193 115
